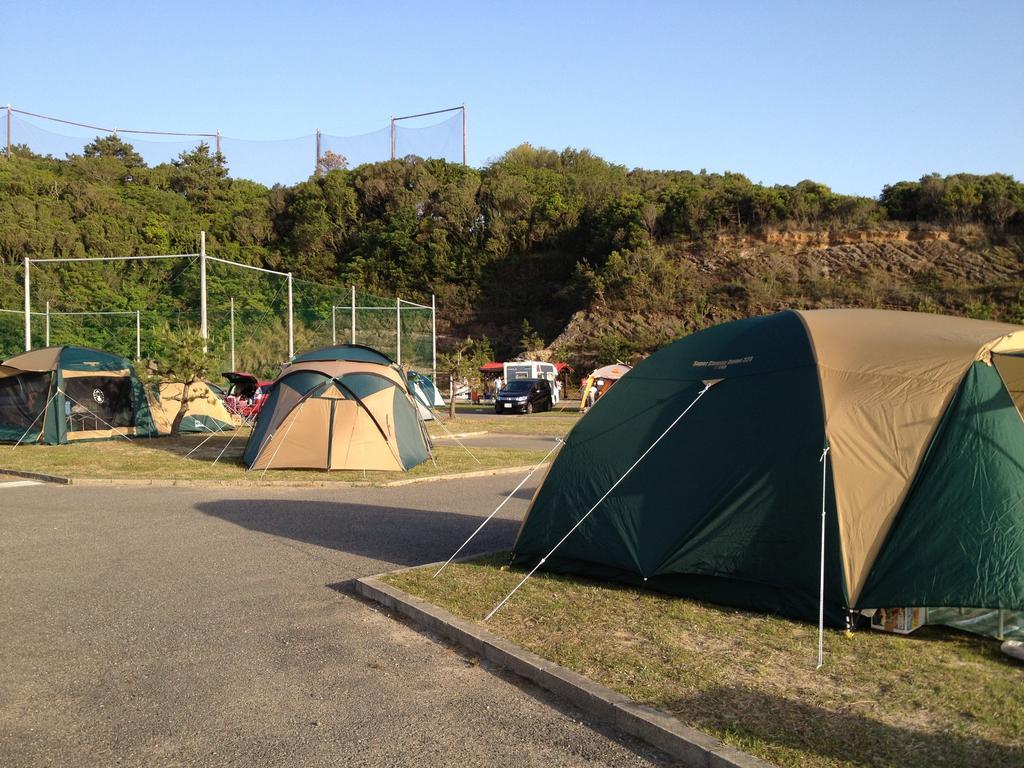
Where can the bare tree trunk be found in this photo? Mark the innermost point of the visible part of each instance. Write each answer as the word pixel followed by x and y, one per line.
pixel 176 424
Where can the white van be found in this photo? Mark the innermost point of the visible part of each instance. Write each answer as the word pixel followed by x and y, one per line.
pixel 532 369
pixel 529 369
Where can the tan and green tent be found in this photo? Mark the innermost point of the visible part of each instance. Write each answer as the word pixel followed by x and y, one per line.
pixel 343 407
pixel 924 475
pixel 204 411
pixel 59 395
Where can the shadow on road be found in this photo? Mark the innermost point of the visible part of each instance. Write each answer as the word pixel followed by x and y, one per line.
pixel 390 534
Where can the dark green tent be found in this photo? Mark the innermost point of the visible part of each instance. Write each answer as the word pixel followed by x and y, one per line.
pixel 924 484
pixel 61 394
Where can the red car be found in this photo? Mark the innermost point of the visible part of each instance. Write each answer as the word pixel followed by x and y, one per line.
pixel 246 394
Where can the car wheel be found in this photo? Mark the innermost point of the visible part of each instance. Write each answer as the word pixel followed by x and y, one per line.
pixel 497 409
pixel 529 407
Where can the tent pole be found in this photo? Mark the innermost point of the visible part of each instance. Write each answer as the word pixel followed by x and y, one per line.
pixel 559 442
pixel 707 385
pixel 821 583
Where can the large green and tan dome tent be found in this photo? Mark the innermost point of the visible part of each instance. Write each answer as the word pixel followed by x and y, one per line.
pixel 340 407
pixel 924 475
pixel 62 394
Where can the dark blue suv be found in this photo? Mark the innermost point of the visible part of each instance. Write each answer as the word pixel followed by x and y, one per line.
pixel 524 396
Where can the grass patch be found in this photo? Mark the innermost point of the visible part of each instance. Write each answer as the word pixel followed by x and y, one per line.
pixel 555 423
pixel 164 458
pixel 936 698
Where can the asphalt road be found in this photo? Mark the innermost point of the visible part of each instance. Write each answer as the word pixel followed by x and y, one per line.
pixel 202 627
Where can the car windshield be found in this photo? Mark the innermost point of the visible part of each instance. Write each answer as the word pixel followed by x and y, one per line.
pixel 518 386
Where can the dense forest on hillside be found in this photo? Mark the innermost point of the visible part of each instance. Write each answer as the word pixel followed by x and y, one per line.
pixel 534 241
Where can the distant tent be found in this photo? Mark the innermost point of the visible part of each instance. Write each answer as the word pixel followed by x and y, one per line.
pixel 57 395
pixel 204 411
pixel 603 378
pixel 425 394
pixel 342 407
pixel 922 415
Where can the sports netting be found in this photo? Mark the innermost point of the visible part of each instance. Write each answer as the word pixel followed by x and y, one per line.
pixel 402 330
pixel 93 304
pixel 268 161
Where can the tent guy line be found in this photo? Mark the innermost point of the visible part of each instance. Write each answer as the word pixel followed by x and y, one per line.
pixel 38 415
pixel 96 416
pixel 708 383
pixel 559 442
pixel 284 437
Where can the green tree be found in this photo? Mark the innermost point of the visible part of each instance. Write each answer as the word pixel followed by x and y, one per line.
pixel 463 363
pixel 179 357
pixel 201 176
pixel 113 146
pixel 529 339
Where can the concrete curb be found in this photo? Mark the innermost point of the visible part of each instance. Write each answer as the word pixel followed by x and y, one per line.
pixel 57 479
pixel 459 435
pixel 690 746
pixel 129 482
pixel 461 475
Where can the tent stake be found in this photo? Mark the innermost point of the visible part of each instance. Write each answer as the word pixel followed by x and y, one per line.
pixel 558 443
pixel 707 385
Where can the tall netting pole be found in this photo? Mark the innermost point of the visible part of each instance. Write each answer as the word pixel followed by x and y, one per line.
pixel 233 334
pixel 138 336
pixel 464 133
pixel 291 320
pixel 353 314
pixel 392 138
pixel 28 307
pixel 47 323
pixel 318 169
pixel 8 131
pixel 398 330
pixel 202 290
pixel 334 324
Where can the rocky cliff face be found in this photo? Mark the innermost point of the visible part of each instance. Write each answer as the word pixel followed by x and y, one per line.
pixel 930 270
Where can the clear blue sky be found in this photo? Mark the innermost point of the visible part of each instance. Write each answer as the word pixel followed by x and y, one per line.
pixel 852 94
